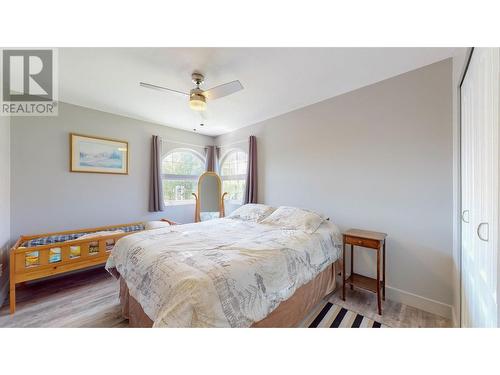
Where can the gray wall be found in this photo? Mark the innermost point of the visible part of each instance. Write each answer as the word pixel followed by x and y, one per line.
pixel 47 197
pixel 4 202
pixel 378 158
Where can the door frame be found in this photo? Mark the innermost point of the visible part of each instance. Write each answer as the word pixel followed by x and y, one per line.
pixel 459 180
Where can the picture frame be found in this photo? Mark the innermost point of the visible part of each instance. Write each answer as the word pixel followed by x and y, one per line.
pixel 91 154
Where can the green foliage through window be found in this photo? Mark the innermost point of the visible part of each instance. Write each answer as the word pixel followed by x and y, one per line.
pixel 180 172
pixel 233 174
pixel 183 163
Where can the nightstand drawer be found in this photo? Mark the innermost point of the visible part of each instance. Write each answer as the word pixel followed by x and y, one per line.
pixel 364 242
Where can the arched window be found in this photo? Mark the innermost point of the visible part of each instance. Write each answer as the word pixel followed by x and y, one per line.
pixel 233 173
pixel 180 171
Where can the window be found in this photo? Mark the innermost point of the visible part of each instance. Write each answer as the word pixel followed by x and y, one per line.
pixel 233 174
pixel 180 172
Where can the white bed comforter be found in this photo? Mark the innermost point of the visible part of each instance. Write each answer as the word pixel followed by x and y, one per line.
pixel 220 273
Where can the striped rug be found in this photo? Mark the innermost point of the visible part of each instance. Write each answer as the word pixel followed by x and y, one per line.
pixel 335 316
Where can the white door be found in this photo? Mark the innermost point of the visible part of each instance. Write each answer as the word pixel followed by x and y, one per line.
pixel 480 122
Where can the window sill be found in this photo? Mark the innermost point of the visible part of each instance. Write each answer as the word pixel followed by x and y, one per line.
pixel 234 203
pixel 180 203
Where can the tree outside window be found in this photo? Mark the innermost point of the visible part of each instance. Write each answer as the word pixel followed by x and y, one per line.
pixel 233 173
pixel 180 172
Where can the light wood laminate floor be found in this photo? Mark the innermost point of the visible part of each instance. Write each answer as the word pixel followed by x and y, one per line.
pixel 90 299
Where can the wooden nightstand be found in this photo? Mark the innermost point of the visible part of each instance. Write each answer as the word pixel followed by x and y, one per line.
pixel 371 240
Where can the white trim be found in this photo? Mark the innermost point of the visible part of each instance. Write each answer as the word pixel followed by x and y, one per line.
pixel 180 203
pixel 420 302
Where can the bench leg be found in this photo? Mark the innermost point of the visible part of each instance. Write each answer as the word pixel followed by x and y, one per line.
pixel 12 298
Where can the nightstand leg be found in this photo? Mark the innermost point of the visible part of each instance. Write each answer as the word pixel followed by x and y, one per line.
pixel 378 283
pixel 383 274
pixel 352 264
pixel 343 272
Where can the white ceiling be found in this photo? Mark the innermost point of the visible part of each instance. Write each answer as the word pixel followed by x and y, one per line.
pixel 275 80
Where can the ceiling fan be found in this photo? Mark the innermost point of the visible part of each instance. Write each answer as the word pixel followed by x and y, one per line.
pixel 198 97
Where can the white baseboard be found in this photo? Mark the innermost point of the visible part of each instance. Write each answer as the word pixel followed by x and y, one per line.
pixel 422 303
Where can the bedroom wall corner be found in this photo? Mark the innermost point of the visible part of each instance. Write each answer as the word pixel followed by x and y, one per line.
pixel 5 228
pixel 365 159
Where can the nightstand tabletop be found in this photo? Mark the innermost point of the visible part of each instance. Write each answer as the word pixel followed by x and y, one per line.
pixel 379 236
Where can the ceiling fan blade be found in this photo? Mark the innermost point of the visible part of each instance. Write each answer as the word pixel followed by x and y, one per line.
pixel 223 90
pixel 160 88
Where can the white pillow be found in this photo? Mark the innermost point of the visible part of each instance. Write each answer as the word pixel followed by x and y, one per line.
pixel 155 224
pixel 295 218
pixel 252 212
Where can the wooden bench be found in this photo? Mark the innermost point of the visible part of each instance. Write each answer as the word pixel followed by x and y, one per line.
pixel 29 263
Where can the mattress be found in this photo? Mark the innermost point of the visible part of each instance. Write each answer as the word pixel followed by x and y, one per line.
pixel 220 273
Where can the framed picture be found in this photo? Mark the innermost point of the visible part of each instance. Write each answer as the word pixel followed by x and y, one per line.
pixel 98 155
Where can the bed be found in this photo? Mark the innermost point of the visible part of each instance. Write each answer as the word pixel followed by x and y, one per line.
pixel 239 271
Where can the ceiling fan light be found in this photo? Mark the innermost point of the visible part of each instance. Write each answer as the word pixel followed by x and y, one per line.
pixel 197 102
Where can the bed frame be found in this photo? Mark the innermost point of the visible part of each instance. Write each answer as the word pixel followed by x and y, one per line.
pixel 91 252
